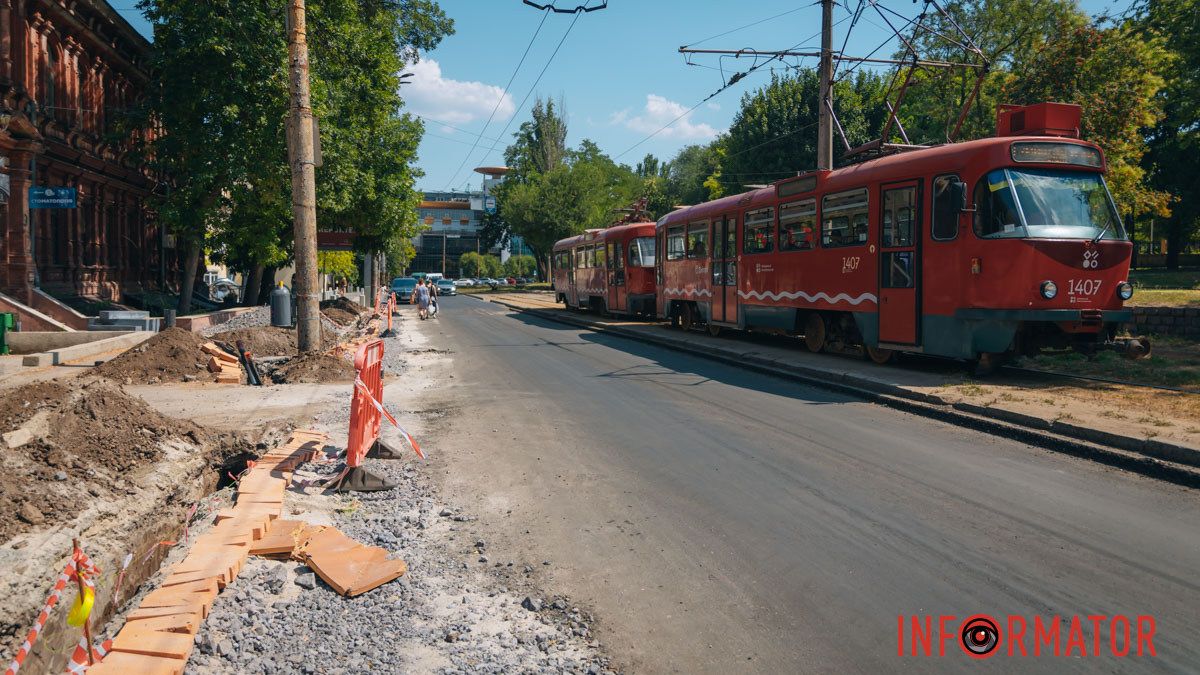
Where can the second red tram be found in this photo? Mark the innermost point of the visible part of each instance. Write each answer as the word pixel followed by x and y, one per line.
pixel 609 270
pixel 972 250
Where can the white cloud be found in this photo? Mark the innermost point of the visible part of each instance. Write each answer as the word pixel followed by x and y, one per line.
pixel 430 95
pixel 660 111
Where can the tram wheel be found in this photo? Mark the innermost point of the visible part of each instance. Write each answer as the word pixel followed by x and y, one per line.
pixel 688 320
pixel 675 318
pixel 714 330
pixel 880 355
pixel 814 332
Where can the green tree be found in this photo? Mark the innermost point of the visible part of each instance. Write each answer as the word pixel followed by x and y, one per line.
pixel 1114 74
pixel 1007 32
pixel 1173 159
pixel 774 134
pixel 471 264
pixel 552 192
pixel 341 264
pixel 520 265
pixel 220 105
pixel 491 267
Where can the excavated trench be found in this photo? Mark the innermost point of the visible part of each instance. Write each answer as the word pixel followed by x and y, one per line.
pixel 142 521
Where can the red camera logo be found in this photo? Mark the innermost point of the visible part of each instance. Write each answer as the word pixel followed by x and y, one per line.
pixel 980 636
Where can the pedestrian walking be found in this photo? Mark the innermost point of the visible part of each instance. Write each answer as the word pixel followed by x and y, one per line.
pixel 420 298
pixel 433 295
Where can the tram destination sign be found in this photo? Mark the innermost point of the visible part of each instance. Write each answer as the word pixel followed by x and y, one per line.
pixel 46 197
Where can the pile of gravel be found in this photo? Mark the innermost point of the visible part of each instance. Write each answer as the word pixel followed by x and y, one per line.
pixel 455 611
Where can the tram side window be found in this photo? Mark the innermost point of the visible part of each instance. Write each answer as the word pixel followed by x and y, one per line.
pixel 598 255
pixel 697 241
pixel 797 225
pixel 759 233
pixel 995 209
pixel 945 211
pixel 844 218
pixel 675 243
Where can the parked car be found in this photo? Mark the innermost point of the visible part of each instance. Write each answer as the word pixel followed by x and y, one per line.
pixel 403 287
pixel 511 281
pixel 464 283
pixel 489 282
pixel 524 280
pixel 446 287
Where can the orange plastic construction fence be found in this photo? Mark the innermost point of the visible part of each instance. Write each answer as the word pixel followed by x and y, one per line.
pixel 366 407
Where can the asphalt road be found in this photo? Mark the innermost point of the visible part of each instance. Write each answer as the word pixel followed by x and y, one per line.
pixel 723 521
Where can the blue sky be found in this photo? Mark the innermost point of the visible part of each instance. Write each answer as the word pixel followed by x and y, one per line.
pixel 617 71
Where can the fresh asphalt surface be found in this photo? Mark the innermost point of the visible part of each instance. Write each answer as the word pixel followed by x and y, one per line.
pixel 719 520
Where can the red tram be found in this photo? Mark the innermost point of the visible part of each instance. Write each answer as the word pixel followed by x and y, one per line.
pixel 609 270
pixel 972 250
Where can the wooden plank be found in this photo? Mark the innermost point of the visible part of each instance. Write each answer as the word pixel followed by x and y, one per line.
pixel 125 663
pixel 133 640
pixel 171 623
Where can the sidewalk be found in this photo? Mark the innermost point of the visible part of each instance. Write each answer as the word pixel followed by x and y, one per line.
pixel 1151 422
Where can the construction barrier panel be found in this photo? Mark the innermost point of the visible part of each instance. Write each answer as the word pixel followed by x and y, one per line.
pixel 366 405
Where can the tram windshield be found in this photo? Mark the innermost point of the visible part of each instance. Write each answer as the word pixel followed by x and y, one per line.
pixel 1045 204
pixel 641 252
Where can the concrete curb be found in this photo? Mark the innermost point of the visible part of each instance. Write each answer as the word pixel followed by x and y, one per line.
pixel 1175 463
pixel 55 357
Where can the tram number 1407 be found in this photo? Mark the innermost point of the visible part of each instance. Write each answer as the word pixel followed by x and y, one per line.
pixel 1087 287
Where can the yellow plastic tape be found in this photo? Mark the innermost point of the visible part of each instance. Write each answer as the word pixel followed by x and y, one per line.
pixel 82 608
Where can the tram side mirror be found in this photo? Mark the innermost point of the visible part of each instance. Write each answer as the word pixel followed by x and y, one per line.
pixel 958 195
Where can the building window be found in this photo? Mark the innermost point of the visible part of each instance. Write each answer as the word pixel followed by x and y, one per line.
pixel 760 226
pixel 50 80
pixel 844 219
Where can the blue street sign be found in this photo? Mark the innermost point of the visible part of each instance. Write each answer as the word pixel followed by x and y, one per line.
pixel 46 197
pixel 489 204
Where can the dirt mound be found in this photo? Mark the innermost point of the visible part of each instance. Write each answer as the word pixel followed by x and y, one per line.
pixel 88 438
pixel 314 369
pixel 342 311
pixel 270 340
pixel 170 356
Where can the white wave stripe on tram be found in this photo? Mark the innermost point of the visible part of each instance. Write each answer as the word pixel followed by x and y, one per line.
pixel 793 295
pixel 689 292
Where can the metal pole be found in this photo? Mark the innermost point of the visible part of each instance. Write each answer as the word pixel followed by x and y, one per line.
pixel 825 107
pixel 302 157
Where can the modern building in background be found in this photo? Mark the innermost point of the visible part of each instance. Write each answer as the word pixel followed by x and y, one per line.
pixel 453 221
pixel 73 215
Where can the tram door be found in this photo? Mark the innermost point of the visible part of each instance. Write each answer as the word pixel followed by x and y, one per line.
pixel 899 265
pixel 617 290
pixel 724 270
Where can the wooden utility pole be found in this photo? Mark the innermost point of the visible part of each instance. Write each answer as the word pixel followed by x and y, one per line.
pixel 302 156
pixel 825 113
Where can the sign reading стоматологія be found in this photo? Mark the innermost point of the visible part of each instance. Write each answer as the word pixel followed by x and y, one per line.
pixel 45 197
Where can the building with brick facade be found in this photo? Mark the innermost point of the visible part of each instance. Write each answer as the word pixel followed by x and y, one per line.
pixel 69 69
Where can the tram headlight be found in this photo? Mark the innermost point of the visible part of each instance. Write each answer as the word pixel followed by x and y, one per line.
pixel 1125 290
pixel 1049 289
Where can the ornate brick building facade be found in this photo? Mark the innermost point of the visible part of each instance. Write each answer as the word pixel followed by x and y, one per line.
pixel 68 71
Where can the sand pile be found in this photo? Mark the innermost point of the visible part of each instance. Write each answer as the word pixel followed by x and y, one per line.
pixel 171 356
pixel 76 442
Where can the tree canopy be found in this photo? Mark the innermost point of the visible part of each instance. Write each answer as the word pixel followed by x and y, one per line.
pixel 221 102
